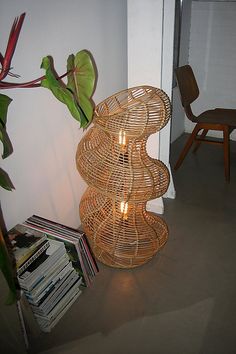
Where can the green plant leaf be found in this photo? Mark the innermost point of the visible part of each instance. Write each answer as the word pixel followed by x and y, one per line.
pixel 7 146
pixel 81 80
pixel 7 270
pixel 5 181
pixel 4 103
pixel 61 92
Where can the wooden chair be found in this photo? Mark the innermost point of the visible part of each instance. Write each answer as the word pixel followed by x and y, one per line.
pixel 220 119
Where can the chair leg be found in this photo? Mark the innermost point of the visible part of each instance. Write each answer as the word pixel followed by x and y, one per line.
pixel 187 146
pixel 226 153
pixel 202 136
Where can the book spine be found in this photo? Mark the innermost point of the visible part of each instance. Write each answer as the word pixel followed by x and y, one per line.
pixel 32 258
pixel 56 224
pixel 47 326
pixel 74 240
pixel 85 274
pixel 48 231
pixel 32 280
pixel 86 260
pixel 90 255
pixel 60 305
pixel 46 308
pixel 51 283
pixel 46 224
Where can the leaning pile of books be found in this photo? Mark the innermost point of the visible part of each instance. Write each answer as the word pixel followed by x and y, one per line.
pixel 52 267
pixel 75 242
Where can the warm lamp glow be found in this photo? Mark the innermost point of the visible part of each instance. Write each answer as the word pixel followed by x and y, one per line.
pixel 122 139
pixel 113 159
pixel 124 209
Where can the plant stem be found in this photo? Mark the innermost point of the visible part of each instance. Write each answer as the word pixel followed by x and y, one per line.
pixel 29 84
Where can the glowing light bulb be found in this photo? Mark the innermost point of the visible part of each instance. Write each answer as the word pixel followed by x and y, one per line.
pixel 122 139
pixel 124 209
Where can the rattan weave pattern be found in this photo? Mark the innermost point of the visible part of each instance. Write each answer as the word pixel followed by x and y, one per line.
pixel 141 110
pixel 119 242
pixel 131 175
pixel 113 160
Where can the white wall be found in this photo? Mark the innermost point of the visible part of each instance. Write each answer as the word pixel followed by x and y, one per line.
pixel 214 58
pixel 43 133
pixel 150 61
pixel 166 84
pixel 144 42
pixel 145 33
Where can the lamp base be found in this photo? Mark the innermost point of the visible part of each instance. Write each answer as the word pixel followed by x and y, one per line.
pixel 118 239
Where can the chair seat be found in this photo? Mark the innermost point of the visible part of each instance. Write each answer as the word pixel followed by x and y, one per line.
pixel 218 116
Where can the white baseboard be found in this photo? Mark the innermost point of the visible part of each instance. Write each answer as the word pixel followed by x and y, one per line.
pixel 171 189
pixel 157 205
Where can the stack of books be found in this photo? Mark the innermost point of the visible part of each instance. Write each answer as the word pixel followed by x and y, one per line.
pixel 26 246
pixel 76 244
pixel 52 267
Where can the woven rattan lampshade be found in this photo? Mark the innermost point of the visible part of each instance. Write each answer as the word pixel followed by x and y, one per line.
pixel 113 160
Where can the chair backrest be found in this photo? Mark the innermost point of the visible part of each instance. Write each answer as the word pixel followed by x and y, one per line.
pixel 188 88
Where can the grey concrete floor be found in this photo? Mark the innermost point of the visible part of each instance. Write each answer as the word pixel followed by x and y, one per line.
pixel 183 300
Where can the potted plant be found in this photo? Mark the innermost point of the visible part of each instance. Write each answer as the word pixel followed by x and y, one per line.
pixel 75 94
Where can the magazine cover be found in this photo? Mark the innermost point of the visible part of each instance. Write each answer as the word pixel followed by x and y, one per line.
pixel 24 242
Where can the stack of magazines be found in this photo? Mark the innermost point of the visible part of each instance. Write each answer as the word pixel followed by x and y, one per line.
pixel 52 267
pixel 75 242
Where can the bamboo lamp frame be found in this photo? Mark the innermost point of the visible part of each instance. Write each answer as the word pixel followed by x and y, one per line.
pixel 113 160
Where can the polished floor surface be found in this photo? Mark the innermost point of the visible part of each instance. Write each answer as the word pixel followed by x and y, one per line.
pixel 184 300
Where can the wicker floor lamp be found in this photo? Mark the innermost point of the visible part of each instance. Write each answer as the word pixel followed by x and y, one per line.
pixel 113 160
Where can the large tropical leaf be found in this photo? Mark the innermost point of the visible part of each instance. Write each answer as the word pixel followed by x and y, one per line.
pixel 7 147
pixel 5 181
pixel 6 268
pixel 61 92
pixel 81 80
